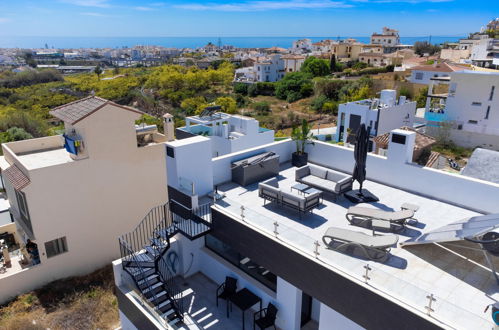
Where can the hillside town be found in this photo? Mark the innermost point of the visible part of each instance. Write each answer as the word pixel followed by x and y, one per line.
pixel 328 185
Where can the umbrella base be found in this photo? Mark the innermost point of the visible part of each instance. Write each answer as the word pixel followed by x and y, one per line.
pixel 356 197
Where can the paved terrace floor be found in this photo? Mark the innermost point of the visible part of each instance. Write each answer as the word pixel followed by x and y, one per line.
pixel 44 158
pixel 457 277
pixel 202 313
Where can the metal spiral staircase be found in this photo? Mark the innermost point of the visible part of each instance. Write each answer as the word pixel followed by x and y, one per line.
pixel 143 252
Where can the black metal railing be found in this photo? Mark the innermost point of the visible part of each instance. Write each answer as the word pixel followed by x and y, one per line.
pixel 174 292
pixel 192 223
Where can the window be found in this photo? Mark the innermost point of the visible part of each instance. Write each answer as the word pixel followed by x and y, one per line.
pixel 56 247
pixel 22 204
pixel 487 113
pixel 258 68
pixel 492 89
pixel 474 122
pixel 244 263
pixel 419 76
pixel 476 103
pixel 397 138
pixel 170 152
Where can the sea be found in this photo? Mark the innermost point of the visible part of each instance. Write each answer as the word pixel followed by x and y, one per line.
pixel 185 42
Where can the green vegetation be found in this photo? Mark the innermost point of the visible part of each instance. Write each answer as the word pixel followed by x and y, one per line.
pixel 421 98
pixel 10 79
pixel 316 67
pixel 262 108
pixel 294 86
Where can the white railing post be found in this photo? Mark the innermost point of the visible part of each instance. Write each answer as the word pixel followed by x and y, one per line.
pixel 431 299
pixel 276 224
pixel 366 275
pixel 316 250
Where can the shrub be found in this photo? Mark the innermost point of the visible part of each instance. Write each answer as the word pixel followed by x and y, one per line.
pixel 261 107
pixel 315 66
pixel 294 86
pixel 241 88
pixel 318 102
pixel 261 88
pixel 29 78
pixel 227 103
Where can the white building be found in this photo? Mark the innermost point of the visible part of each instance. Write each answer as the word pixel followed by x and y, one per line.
pixel 292 63
pixel 277 256
pixel 228 133
pixel 422 74
pixel 265 69
pixel 484 52
pixel 470 107
pixel 74 194
pixel 302 46
pixel 389 37
pixel 380 115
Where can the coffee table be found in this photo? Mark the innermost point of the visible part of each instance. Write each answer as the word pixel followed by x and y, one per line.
pixel 300 187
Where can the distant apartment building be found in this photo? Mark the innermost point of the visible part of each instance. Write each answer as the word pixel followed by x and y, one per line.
pixel 373 55
pixel 485 53
pixel 292 63
pixel 470 109
pixel 227 133
pixel 346 50
pixel 302 45
pixel 270 68
pixel 380 115
pixel 73 194
pixel 389 37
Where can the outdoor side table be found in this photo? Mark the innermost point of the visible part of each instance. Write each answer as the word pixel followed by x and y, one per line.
pixel 244 299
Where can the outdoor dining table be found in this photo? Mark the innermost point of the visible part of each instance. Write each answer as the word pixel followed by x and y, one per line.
pixel 244 299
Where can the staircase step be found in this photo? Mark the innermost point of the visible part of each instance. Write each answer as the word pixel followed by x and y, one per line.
pixel 160 298
pixel 140 273
pixel 163 306
pixel 154 289
pixel 168 312
pixel 144 285
pixel 152 251
pixel 149 279
pixel 158 242
pixel 175 323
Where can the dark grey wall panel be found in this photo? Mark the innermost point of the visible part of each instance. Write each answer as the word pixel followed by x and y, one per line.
pixel 133 313
pixel 364 307
pixel 180 134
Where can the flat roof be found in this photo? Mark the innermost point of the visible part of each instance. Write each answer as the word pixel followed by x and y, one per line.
pixel 44 158
pixel 457 277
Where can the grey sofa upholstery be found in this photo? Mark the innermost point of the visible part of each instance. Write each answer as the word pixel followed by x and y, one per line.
pixel 324 179
pixel 270 191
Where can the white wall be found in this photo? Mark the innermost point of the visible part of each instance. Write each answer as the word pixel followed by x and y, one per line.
pixel 289 299
pixel 471 193
pixel 332 320
pixel 221 165
pixel 427 75
pixel 396 117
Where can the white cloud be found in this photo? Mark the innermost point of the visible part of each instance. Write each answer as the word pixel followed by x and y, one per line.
pixel 89 3
pixel 92 14
pixel 141 8
pixel 402 1
pixel 265 5
pixel 4 20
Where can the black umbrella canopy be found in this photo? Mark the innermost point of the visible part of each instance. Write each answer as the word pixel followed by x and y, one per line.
pixel 360 155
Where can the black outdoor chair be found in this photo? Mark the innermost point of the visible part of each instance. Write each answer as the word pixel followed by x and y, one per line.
pixel 226 290
pixel 265 318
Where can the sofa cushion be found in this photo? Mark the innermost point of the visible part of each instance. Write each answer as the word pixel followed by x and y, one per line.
pixel 321 184
pixel 292 199
pixel 268 190
pixel 318 171
pixel 335 176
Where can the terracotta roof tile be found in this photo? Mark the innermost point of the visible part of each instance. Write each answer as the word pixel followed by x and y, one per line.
pixel 422 140
pixel 75 111
pixel 17 178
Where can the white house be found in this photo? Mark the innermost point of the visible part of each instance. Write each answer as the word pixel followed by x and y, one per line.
pixel 74 194
pixel 292 63
pixel 389 37
pixel 422 74
pixel 266 69
pixel 380 115
pixel 302 46
pixel 228 133
pixel 470 107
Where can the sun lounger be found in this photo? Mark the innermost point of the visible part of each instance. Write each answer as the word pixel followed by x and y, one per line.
pixel 363 214
pixel 374 247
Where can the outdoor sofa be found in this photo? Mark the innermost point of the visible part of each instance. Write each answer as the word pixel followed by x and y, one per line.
pixel 324 179
pixel 376 248
pixel 270 191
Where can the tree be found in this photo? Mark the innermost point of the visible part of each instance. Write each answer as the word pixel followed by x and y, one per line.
pixel 332 63
pixel 315 66
pixel 421 98
pixel 18 134
pixel 262 108
pixel 424 47
pixel 227 103
pixel 98 71
pixel 294 86
pixel 241 88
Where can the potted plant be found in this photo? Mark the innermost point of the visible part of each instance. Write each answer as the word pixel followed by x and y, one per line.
pixel 302 135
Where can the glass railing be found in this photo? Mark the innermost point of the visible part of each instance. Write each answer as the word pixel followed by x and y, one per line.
pixel 413 297
pixel 186 186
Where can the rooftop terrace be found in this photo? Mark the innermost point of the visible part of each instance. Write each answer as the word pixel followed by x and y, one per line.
pixel 458 278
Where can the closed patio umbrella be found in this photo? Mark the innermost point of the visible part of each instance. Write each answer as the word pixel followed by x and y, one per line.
pixel 359 171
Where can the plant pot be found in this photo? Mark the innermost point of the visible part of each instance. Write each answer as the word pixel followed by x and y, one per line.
pixel 299 160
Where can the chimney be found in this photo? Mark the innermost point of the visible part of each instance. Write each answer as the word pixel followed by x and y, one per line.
pixel 401 146
pixel 168 127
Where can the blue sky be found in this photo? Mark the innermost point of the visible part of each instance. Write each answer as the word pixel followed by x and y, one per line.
pixel 109 18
